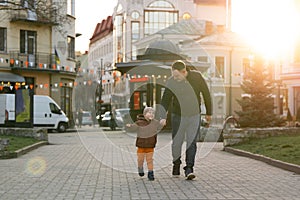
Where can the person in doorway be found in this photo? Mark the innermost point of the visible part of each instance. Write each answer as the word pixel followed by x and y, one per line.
pixel 112 122
pixel 183 91
pixel 146 127
pixel 80 113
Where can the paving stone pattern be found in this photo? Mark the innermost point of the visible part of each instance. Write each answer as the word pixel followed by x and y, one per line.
pixel 97 164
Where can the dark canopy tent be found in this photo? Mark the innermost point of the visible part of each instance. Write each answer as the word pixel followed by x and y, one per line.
pixel 10 77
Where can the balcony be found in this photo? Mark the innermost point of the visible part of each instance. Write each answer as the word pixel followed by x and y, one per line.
pixel 36 62
pixel 46 16
pixel 290 71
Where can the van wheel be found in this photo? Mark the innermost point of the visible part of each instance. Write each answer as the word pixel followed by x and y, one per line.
pixel 62 127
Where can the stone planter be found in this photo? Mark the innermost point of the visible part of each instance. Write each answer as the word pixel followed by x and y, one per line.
pixel 237 135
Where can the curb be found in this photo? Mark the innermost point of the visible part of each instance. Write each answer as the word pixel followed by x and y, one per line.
pixel 25 150
pixel 276 163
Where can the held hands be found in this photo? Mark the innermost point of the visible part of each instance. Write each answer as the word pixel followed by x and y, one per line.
pixel 163 122
pixel 208 118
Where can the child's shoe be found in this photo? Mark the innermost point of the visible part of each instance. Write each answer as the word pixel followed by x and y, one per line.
pixel 151 176
pixel 141 171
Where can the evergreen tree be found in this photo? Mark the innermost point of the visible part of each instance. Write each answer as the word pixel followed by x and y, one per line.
pixel 258 107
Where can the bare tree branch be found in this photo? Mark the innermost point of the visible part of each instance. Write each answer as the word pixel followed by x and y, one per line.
pixel 44 11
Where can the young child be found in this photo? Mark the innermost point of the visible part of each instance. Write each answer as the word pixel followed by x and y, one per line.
pixel 146 127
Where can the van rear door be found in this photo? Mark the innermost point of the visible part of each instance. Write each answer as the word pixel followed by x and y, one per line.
pixel 2 109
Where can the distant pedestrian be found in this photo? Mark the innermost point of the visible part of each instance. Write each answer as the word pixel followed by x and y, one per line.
pixel 147 128
pixel 112 122
pixel 80 113
pixel 93 117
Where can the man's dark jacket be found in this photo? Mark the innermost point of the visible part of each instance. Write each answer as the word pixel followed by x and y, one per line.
pixel 185 95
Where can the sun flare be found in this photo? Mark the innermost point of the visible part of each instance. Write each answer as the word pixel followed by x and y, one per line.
pixel 269 26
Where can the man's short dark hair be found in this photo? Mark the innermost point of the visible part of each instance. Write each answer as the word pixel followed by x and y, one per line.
pixel 178 65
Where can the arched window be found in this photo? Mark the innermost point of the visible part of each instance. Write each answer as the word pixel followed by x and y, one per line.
pixel 161 4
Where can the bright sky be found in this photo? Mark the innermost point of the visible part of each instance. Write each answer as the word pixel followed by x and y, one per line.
pixel 267 24
pixel 88 14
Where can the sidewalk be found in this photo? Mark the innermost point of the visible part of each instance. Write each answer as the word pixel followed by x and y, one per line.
pixel 97 164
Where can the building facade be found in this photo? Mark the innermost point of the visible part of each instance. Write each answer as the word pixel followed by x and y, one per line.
pixel 201 29
pixel 37 42
pixel 138 19
pixel 135 23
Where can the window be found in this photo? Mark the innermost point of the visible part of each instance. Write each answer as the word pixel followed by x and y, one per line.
pixel 71 47
pixel 54 109
pixel 160 4
pixel 71 7
pixel 29 4
pixel 3 39
pixel 27 42
pixel 157 20
pixel 66 100
pixel 160 15
pixel 135 35
pixel 135 15
pixel 219 61
pixel 246 66
pixel 119 37
pixel 3 2
pixel 297 52
pixel 202 58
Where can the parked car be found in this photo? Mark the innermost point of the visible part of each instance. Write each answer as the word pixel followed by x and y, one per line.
pixel 125 115
pixel 87 118
pixel 106 119
pixel 123 111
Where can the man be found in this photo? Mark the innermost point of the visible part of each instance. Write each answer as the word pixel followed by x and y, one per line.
pixel 183 91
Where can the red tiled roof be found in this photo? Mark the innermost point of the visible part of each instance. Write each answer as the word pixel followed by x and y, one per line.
pixel 102 29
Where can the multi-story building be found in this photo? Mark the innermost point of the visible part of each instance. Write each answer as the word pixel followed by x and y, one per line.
pixel 288 73
pixel 37 42
pixel 138 20
pixel 222 56
pixel 100 60
pixel 138 23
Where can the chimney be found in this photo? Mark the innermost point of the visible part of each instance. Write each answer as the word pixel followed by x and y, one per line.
pixel 220 28
pixel 209 29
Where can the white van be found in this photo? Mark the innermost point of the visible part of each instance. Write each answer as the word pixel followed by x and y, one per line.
pixel 46 112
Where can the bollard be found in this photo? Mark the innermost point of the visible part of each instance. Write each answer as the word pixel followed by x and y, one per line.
pixel 4 144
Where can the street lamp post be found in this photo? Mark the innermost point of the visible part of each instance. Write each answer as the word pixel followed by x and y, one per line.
pixel 100 77
pixel 230 82
pixel 98 96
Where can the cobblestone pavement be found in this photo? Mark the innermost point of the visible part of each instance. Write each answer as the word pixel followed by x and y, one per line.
pixel 97 164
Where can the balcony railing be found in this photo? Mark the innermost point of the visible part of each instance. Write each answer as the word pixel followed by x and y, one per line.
pixel 38 61
pixel 47 16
